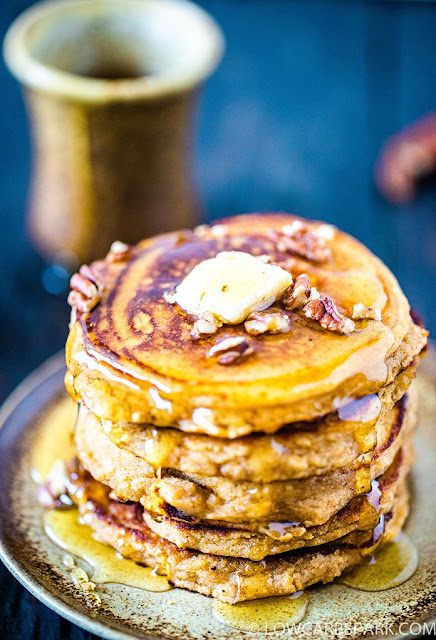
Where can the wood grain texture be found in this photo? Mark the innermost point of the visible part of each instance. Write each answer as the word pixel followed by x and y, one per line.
pixel 293 119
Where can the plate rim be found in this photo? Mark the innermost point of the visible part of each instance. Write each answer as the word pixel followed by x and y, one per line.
pixel 53 365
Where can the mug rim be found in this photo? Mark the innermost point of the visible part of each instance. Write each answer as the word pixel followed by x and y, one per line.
pixel 36 74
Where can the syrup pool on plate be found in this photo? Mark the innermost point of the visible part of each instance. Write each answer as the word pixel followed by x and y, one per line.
pixel 65 530
pixel 55 438
pixel 264 614
pixel 391 564
pixel 54 444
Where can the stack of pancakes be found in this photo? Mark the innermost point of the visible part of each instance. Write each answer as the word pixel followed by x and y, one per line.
pixel 258 476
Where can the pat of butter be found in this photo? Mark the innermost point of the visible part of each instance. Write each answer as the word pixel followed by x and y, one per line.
pixel 231 286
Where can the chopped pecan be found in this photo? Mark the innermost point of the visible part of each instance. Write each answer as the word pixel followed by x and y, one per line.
pixel 204 326
pixel 53 494
pixel 264 321
pixel 169 296
pixel 120 252
pixel 325 312
pixel 299 239
pixel 85 291
pixel 298 294
pixel 218 230
pixel 233 349
pixel 201 230
pixel 215 231
pixel 326 231
pixel 361 312
pixel 407 157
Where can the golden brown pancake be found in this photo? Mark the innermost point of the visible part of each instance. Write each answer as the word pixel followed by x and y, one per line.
pixel 192 497
pixel 360 514
pixel 132 359
pixel 228 579
pixel 296 451
pixel 269 468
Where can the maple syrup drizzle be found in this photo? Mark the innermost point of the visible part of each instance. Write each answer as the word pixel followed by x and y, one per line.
pixel 283 530
pixel 363 413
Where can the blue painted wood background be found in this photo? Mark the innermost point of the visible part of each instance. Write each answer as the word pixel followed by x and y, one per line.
pixel 293 119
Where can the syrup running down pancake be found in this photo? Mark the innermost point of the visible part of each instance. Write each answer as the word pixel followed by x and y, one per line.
pixel 132 359
pixel 310 501
pixel 228 579
pixel 246 419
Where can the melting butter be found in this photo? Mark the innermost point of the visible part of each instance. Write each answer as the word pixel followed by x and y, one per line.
pixel 264 614
pixel 392 564
pixel 65 530
pixel 55 438
pixel 230 286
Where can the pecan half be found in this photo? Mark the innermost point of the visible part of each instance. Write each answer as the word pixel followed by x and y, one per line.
pixel 120 252
pixel 299 239
pixel 85 291
pixel 232 350
pixel 205 326
pixel 325 312
pixel 271 322
pixel 361 312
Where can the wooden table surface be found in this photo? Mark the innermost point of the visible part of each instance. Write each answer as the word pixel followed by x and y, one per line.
pixel 294 120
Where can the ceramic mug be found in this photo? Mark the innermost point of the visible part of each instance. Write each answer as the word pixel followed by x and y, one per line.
pixel 110 87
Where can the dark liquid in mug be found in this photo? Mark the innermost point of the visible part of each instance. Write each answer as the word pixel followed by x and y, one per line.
pixel 113 72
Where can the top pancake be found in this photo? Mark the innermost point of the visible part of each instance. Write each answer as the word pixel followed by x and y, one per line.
pixel 132 358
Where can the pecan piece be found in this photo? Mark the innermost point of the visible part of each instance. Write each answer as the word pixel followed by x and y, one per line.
pixel 407 157
pixel 120 252
pixel 361 312
pixel 205 326
pixel 53 493
pixel 232 350
pixel 85 291
pixel 325 312
pixel 169 296
pixel 215 231
pixel 297 238
pixel 326 231
pixel 271 322
pixel 298 294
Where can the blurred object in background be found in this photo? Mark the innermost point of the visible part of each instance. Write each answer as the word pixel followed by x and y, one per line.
pixel 407 158
pixel 110 87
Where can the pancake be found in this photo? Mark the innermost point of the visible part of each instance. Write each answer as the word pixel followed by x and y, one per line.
pixel 361 514
pixel 228 579
pixel 192 497
pixel 299 450
pixel 131 357
pixel 246 421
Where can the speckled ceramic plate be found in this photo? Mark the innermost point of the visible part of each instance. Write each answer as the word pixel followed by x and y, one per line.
pixel 334 610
